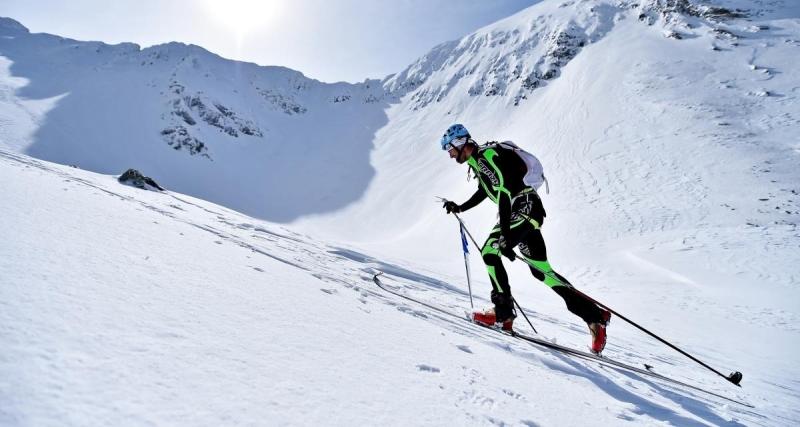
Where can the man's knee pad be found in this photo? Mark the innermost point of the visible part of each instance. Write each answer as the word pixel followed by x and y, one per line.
pixel 488 249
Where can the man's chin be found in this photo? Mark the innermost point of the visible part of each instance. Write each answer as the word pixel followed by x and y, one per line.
pixel 460 161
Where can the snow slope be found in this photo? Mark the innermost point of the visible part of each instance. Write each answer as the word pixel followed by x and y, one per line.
pixel 126 307
pixel 668 131
pixel 674 180
pixel 673 166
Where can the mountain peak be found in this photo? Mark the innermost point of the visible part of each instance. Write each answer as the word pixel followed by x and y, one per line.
pixel 178 48
pixel 515 56
pixel 8 25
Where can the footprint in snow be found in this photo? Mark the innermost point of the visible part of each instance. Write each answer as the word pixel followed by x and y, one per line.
pixel 513 394
pixel 464 348
pixel 328 291
pixel 428 368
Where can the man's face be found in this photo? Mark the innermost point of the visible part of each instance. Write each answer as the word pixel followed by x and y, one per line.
pixel 459 155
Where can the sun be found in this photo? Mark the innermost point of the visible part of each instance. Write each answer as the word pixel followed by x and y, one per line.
pixel 243 16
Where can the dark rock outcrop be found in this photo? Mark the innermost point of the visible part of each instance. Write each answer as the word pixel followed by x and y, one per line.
pixel 135 178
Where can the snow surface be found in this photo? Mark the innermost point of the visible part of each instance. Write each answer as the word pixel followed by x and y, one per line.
pixel 127 307
pixel 668 135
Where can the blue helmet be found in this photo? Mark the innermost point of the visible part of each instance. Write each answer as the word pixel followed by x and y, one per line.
pixel 453 133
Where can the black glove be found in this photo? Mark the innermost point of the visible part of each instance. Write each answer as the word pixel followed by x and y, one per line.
pixel 505 249
pixel 451 207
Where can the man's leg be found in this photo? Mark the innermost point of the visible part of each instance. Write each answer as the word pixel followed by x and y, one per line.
pixel 501 291
pixel 534 249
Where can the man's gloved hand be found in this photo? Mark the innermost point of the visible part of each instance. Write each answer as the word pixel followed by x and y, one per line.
pixel 451 207
pixel 505 249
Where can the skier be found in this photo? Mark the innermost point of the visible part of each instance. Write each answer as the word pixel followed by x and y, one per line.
pixel 500 173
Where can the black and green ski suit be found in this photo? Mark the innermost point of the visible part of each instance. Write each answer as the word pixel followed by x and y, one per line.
pixel 500 173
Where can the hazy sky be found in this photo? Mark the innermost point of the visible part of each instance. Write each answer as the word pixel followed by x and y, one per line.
pixel 329 40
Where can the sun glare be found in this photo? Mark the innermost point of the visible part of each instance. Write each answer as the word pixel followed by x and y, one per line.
pixel 243 16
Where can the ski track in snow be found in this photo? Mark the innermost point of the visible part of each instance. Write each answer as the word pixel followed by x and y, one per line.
pixel 347 270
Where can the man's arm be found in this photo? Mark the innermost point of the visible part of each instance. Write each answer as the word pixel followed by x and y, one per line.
pixel 473 201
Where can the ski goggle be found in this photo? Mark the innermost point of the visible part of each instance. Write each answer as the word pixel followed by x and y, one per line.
pixel 456 143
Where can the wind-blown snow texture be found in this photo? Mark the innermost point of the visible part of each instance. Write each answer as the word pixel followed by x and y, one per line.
pixel 668 131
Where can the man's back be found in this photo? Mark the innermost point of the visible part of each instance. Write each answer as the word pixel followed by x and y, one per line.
pixel 497 167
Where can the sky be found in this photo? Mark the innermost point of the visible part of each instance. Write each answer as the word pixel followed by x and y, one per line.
pixel 342 40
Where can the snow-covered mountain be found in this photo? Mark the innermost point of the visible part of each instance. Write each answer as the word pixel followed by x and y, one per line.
pixel 708 118
pixel 197 122
pixel 668 131
pixel 514 57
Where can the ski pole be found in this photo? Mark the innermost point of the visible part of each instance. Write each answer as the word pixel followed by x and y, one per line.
pixel 524 315
pixel 735 377
pixel 466 264
pixel 464 227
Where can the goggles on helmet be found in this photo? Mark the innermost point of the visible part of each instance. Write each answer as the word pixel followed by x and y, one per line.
pixel 455 143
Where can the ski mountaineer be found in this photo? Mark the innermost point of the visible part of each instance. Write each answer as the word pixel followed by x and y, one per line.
pixel 500 171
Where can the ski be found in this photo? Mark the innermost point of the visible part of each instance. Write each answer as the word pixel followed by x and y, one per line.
pixel 560 348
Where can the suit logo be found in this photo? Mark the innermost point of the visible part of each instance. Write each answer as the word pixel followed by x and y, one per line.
pixel 485 170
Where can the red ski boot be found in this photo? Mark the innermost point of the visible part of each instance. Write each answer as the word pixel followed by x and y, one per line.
pixel 489 319
pixel 485 317
pixel 598 331
pixel 508 325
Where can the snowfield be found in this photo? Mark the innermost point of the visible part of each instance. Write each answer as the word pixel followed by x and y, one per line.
pixel 244 294
pixel 127 307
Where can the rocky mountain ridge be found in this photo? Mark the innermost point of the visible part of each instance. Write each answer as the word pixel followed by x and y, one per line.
pixel 512 58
